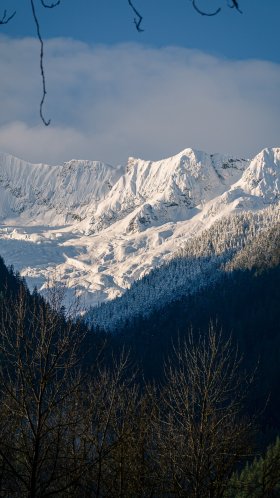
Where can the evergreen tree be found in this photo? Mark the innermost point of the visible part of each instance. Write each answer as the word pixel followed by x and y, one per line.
pixel 260 479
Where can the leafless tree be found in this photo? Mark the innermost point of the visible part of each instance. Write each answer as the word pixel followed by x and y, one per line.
pixel 118 436
pixel 41 449
pixel 202 433
pixel 65 434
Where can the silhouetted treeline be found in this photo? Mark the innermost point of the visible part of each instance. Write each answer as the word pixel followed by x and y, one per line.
pixel 79 418
pixel 66 430
pixel 245 305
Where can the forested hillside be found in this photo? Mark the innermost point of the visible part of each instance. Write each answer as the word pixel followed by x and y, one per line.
pixel 70 430
pixel 200 263
pixel 259 479
pixel 243 302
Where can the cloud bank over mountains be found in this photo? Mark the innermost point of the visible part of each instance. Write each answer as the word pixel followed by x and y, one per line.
pixel 111 102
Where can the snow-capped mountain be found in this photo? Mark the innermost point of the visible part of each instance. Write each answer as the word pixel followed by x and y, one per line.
pixel 261 178
pixel 42 194
pixel 98 228
pixel 154 193
pixel 200 262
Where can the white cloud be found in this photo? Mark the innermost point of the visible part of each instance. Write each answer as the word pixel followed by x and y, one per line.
pixel 111 102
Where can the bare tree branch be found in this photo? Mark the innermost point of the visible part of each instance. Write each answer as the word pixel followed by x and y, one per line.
pixel 139 19
pixel 202 13
pixel 235 5
pixel 6 19
pixel 36 20
pixel 202 429
pixel 46 122
pixel 51 6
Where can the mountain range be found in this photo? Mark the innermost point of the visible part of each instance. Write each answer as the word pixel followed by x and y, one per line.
pixel 105 231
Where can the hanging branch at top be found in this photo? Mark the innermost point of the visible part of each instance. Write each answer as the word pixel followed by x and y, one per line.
pixel 202 13
pixel 48 6
pixel 5 19
pixel 51 6
pixel 139 19
pixel 46 122
pixel 235 5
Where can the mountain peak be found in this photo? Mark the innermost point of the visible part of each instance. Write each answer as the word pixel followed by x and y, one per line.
pixel 101 228
pixel 40 193
pixel 262 177
pixel 165 189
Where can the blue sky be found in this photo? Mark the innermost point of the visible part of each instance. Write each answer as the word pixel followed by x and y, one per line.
pixel 254 34
pixel 187 80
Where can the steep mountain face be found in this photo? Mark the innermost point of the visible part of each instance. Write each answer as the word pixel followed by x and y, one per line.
pixel 257 187
pixel 58 195
pixel 98 229
pixel 154 193
pixel 261 178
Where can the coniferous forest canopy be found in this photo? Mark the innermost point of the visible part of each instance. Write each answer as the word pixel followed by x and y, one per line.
pixel 184 413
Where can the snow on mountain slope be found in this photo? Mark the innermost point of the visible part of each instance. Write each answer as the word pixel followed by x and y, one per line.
pixel 98 228
pixel 155 193
pixel 199 263
pixel 262 179
pixel 42 194
pixel 258 186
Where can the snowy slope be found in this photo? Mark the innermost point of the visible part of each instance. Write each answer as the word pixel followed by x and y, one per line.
pixel 98 228
pixel 43 194
pixel 258 186
pixel 199 263
pixel 155 193
pixel 261 178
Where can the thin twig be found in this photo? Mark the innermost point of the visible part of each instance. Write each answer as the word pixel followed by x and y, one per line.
pixel 202 13
pixel 51 6
pixel 47 6
pixel 6 19
pixel 139 19
pixel 46 123
pixel 235 5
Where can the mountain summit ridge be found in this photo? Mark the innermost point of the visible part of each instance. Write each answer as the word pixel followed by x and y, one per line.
pixel 163 191
pixel 40 193
pixel 98 228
